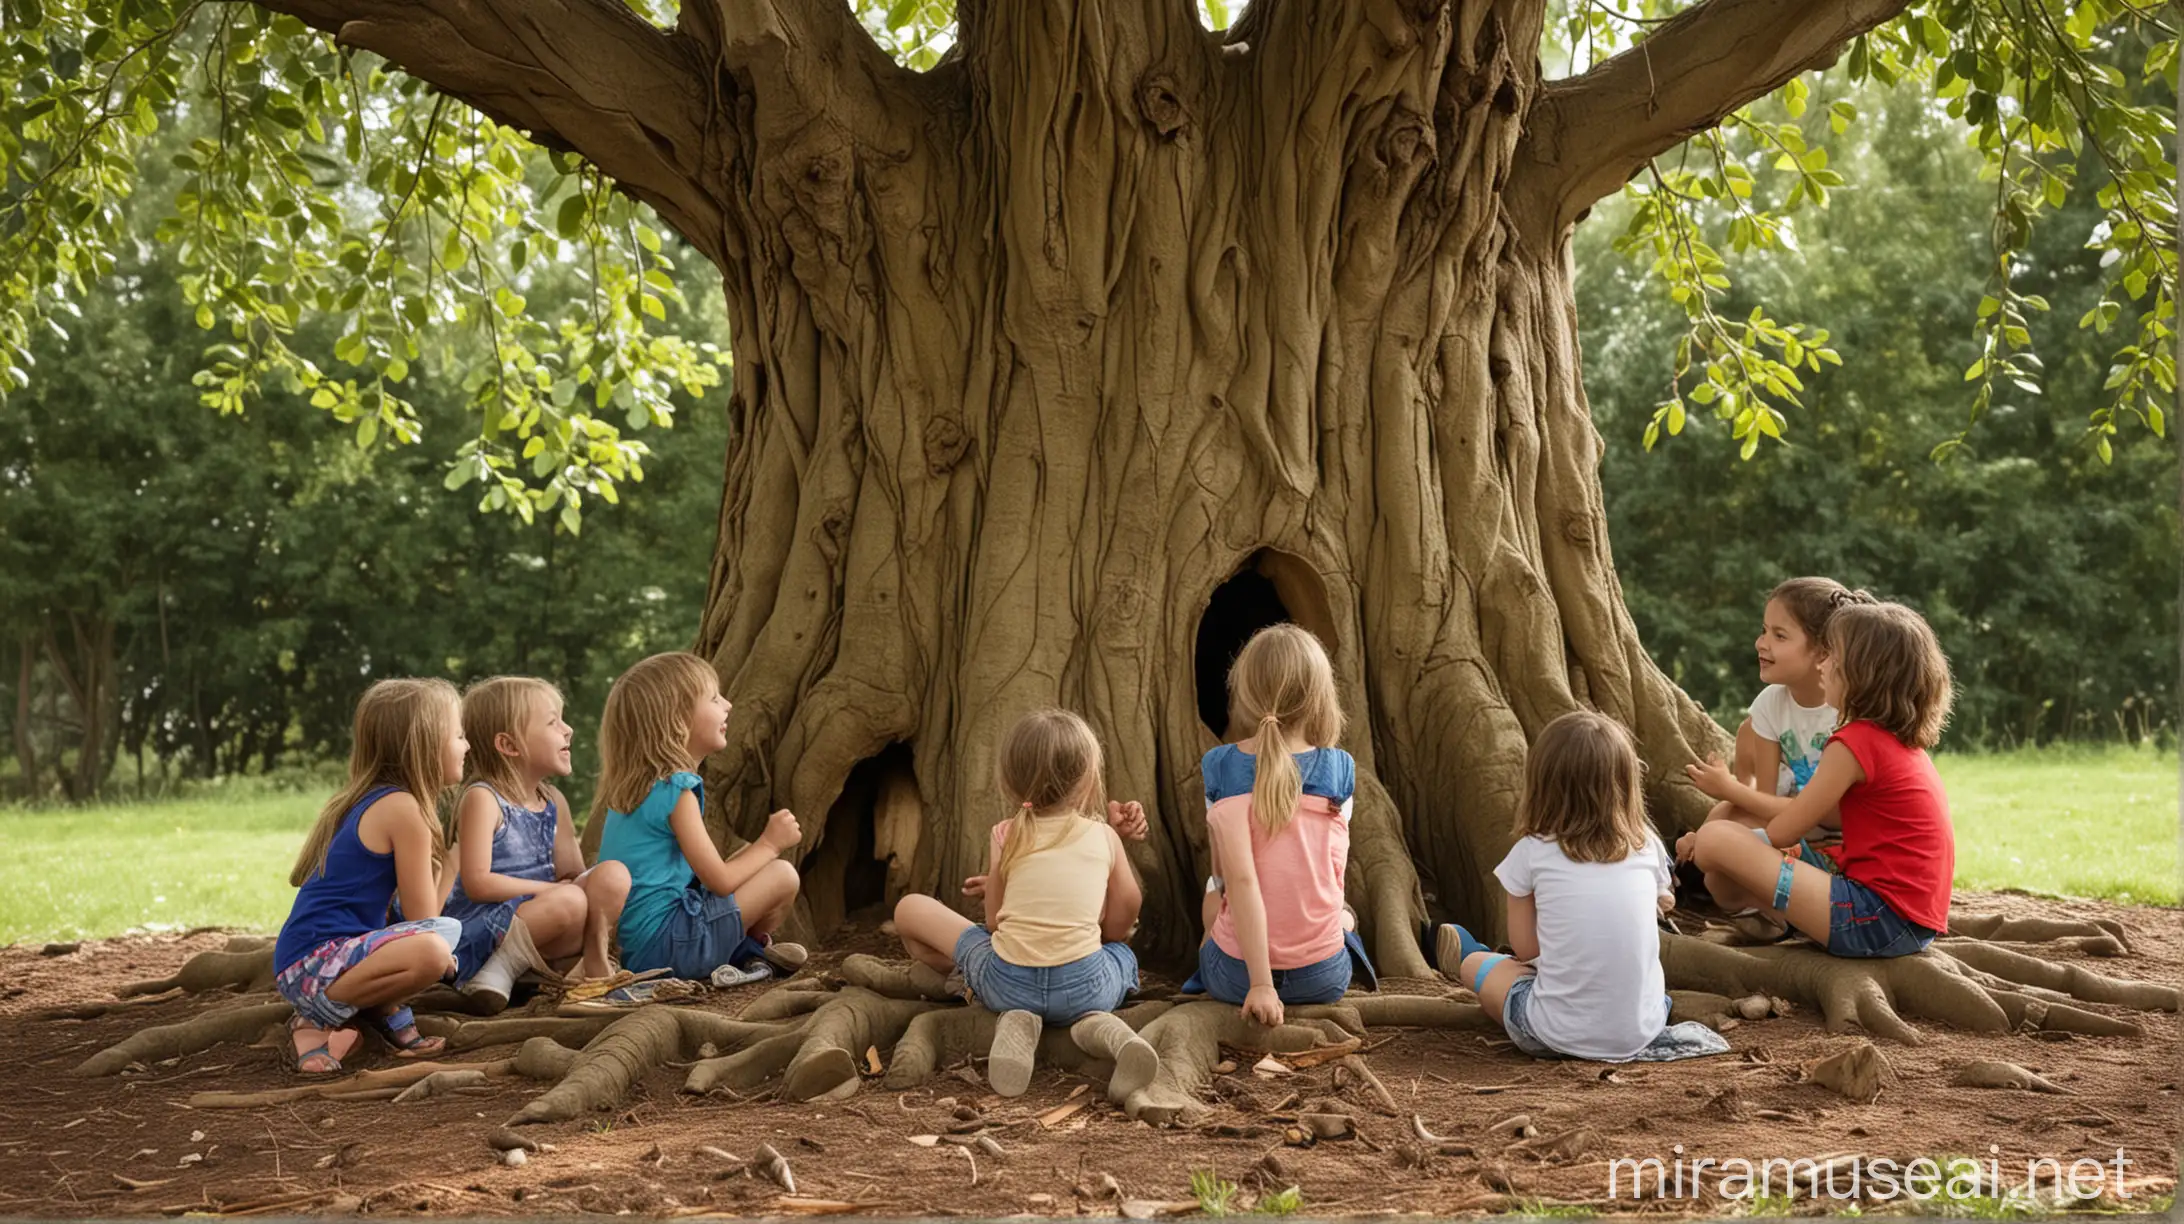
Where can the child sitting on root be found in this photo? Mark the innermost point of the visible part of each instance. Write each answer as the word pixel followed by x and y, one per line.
pixel 522 892
pixel 1060 899
pixel 1885 672
pixel 689 911
pixel 1585 881
pixel 338 956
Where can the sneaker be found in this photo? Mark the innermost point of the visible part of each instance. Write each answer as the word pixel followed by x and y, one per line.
pixel 787 957
pixel 740 975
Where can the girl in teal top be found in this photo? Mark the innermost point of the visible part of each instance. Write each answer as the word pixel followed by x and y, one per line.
pixel 689 910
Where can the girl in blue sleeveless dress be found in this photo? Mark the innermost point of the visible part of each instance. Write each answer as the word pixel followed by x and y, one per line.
pixel 522 893
pixel 338 955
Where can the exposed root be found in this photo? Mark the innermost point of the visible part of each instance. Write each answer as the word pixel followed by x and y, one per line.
pixel 1708 1009
pixel 1189 1039
pixel 248 968
pixel 396 1077
pixel 188 1037
pixel 782 1003
pixel 838 1035
pixel 601 1075
pixel 569 1031
pixel 443 1083
pixel 1963 983
pixel 747 1068
pixel 1859 1071
pixel 2003 1075
pixel 896 979
pixel 543 1058
pixel 1418 1011
pixel 2041 930
pixel 936 1038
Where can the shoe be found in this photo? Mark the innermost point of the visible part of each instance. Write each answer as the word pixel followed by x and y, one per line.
pixel 496 979
pixel 1015 1052
pixel 787 957
pixel 727 976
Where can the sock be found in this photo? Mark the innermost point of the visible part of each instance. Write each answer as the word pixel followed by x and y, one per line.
pixel 1104 1035
pixel 1015 1052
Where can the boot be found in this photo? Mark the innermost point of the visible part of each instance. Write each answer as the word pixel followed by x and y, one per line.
pixel 1015 1052
pixel 496 979
pixel 1104 1035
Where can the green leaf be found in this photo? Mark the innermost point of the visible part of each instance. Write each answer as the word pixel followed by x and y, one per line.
pixel 569 222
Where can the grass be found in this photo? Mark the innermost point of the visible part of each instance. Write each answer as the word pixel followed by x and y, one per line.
pixel 2074 821
pixel 220 859
pixel 2083 822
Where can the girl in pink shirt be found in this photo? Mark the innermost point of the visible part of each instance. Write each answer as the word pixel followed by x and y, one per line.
pixel 1278 808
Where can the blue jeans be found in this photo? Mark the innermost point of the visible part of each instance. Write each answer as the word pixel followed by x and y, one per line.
pixel 1057 994
pixel 1861 924
pixel 1516 1017
pixel 1228 979
pixel 704 932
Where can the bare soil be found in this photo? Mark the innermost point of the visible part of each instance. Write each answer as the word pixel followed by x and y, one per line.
pixel 129 1145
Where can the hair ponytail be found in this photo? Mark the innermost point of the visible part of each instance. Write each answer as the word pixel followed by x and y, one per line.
pixel 1049 761
pixel 1282 679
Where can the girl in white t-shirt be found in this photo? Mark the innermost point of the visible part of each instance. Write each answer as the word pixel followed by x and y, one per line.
pixel 1586 880
pixel 1778 746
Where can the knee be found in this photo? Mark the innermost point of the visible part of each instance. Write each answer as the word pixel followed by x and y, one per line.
pixel 608 883
pixel 1714 837
pixel 563 906
pixel 424 959
pixel 1724 810
pixel 781 874
pixel 908 909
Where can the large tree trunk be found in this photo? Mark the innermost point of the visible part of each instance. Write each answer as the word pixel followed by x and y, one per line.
pixel 1036 351
pixel 1013 404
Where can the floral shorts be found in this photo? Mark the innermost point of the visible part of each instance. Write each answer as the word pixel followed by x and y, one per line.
pixel 304 984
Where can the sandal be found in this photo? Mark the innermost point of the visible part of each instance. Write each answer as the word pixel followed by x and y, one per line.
pixel 399 1027
pixel 318 1062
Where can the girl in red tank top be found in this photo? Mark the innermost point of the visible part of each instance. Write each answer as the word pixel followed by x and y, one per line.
pixel 1885 671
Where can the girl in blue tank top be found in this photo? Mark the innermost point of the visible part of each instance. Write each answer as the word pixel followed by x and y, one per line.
pixel 522 893
pixel 338 956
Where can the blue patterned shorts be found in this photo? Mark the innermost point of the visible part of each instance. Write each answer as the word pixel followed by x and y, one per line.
pixel 304 984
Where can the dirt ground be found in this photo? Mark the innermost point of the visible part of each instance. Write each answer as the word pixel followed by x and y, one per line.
pixel 130 1145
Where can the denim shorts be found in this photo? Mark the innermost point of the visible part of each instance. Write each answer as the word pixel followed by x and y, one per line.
pixel 304 984
pixel 1057 994
pixel 1860 923
pixel 703 932
pixel 1516 1017
pixel 1228 979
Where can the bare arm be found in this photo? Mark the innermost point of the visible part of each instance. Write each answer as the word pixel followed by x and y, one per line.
pixel 476 820
pixel 1247 905
pixel 1837 772
pixel 399 823
pixel 1524 927
pixel 1124 896
pixel 568 852
pixel 722 877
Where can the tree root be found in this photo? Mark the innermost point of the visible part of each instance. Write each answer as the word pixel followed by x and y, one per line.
pixel 2003 1075
pixel 1417 1011
pixel 1189 1039
pixel 2042 930
pixel 188 1037
pixel 245 968
pixel 836 1038
pixel 747 1068
pixel 573 1032
pixel 601 1075
pixel 936 1038
pixel 396 1077
pixel 1708 1009
pixel 783 1003
pixel 1963 983
pixel 896 979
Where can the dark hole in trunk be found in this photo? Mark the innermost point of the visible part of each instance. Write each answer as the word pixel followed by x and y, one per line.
pixel 847 878
pixel 1269 588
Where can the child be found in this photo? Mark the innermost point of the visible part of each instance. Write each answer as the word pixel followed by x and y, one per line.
pixel 337 956
pixel 1778 747
pixel 1278 809
pixel 1060 899
pixel 689 910
pixel 1585 881
pixel 1886 673
pixel 522 894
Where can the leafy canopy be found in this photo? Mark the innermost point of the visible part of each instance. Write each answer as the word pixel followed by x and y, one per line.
pixel 331 186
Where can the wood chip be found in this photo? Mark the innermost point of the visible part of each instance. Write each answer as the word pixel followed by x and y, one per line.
pixel 873 1065
pixel 1061 1113
pixel 1323 1054
pixel 131 1183
pixel 817 1206
pixel 1266 1068
pixel 926 1140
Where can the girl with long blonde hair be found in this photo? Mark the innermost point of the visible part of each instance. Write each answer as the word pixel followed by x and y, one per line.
pixel 689 911
pixel 522 892
pixel 1586 879
pixel 1278 808
pixel 1060 899
pixel 374 843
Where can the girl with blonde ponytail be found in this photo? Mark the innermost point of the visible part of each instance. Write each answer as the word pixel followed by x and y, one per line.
pixel 375 843
pixel 1060 898
pixel 1278 808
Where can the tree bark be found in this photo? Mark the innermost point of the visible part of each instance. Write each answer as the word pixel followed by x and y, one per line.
pixel 1037 350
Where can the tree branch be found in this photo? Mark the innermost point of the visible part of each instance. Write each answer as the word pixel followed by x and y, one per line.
pixel 589 76
pixel 1588 134
pixel 803 59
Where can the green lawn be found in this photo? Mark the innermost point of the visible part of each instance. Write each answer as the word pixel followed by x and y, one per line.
pixel 2087 822
pixel 2082 822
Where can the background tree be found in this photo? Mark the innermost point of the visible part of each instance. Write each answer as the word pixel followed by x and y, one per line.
pixel 1068 359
